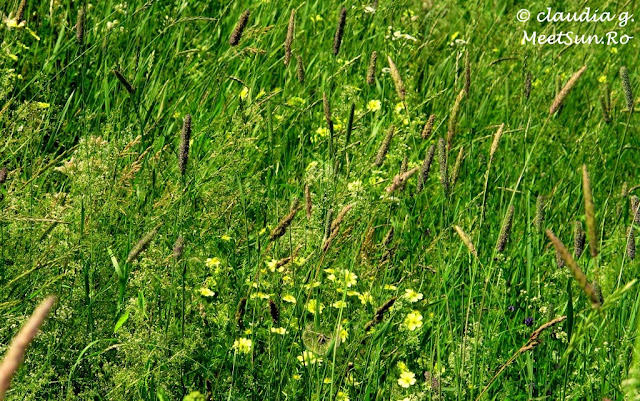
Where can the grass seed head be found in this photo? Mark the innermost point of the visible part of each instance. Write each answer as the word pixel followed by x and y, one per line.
pixel 371 71
pixel 564 92
pixel 3 175
pixel 282 226
pixel 559 260
pixel 18 346
pixel 496 142
pixel 453 118
pixel 141 245
pixel 581 279
pixel 274 312
pixel 527 85
pixel 328 221
pixel 428 127
pixel 380 312
pixel 397 80
pixel 337 39
pixel 236 35
pixel 505 231
pixel 466 240
pixel 185 138
pixel 626 88
pixel 631 243
pixel 178 248
pixel 124 82
pixel 455 173
pixel 289 39
pixel 240 311
pixel 384 147
pixel 426 166
pixel 80 26
pixel 21 9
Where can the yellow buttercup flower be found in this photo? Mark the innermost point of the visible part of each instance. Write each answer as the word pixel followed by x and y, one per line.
pixel 314 306
pixel 407 379
pixel 412 295
pixel 244 93
pixel 309 358
pixel 413 320
pixel 205 292
pixel 243 345
pixel 342 396
pixel 289 298
pixel 374 105
pixel 339 304
pixel 213 262
pixel 279 330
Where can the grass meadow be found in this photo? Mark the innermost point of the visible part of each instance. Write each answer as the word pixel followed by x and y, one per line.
pixel 318 200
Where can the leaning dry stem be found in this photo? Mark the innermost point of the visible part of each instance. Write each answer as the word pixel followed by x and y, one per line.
pixel 19 344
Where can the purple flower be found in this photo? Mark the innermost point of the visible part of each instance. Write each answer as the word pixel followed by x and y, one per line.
pixel 511 308
pixel 528 321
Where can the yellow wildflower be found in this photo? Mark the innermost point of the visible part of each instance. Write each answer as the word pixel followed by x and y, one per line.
pixel 243 345
pixel 407 379
pixel 413 320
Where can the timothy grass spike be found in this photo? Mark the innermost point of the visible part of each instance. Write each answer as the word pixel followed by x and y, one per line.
pixel 444 170
pixel 626 88
pixel 236 35
pixel 289 39
pixel 495 142
pixel 337 39
pixel 428 127
pixel 124 82
pixel 282 226
pixel 185 138
pixel 581 279
pixel 141 245
pixel 453 118
pixel 397 80
pixel 631 243
pixel 80 26
pixel 538 221
pixel 564 92
pixel 371 71
pixel 466 240
pixel 505 231
pixel 384 147
pixel 426 166
pixel 455 172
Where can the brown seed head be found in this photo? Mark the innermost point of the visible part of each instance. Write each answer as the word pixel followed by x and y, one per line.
pixel 371 71
pixel 236 35
pixel 337 39
pixel 289 39
pixel 564 92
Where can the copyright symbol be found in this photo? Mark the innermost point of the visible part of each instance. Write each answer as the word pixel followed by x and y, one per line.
pixel 523 15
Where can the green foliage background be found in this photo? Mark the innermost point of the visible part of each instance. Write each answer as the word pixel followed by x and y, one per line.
pixel 93 168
